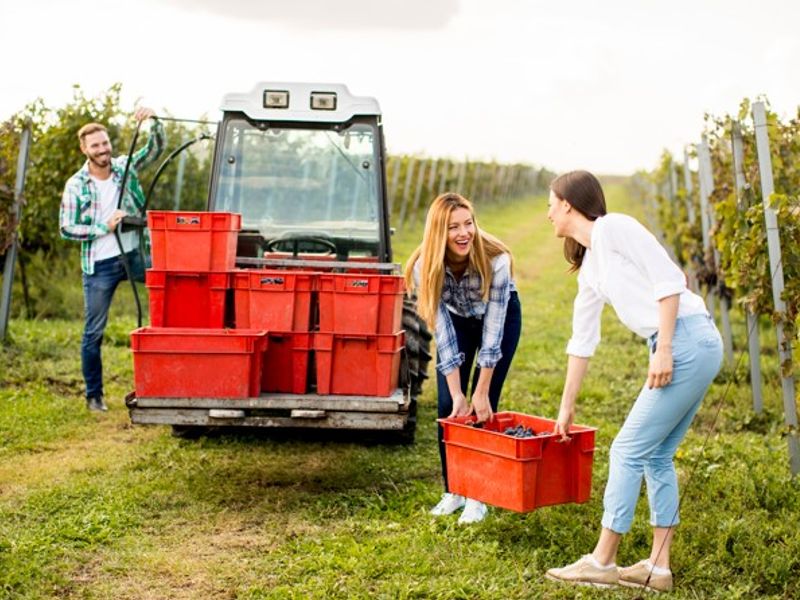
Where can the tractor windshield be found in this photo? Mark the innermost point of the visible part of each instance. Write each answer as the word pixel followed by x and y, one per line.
pixel 316 186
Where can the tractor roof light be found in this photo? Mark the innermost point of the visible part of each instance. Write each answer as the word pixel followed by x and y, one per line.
pixel 276 99
pixel 299 102
pixel 323 100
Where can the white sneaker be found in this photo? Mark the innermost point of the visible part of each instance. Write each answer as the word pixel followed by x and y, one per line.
pixel 474 511
pixel 449 504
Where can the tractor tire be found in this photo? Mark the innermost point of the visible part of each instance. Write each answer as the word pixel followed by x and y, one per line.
pixel 414 366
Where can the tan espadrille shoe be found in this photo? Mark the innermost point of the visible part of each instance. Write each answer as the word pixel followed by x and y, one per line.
pixel 636 576
pixel 584 572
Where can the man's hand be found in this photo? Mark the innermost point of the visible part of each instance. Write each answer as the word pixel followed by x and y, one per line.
pixel 115 219
pixel 143 113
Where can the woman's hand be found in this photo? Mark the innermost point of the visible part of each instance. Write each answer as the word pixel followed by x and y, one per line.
pixel 566 416
pixel 460 405
pixel 576 369
pixel 660 372
pixel 481 406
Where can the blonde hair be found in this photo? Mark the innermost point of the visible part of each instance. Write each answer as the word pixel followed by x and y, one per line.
pixel 432 253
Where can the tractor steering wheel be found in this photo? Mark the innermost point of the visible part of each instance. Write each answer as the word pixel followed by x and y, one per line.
pixel 295 238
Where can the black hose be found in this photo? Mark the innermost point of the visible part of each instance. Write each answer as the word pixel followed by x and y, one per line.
pixel 173 154
pixel 128 273
pixel 124 257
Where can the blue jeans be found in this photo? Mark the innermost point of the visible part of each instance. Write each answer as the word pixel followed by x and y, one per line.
pixel 469 333
pixel 98 290
pixel 656 425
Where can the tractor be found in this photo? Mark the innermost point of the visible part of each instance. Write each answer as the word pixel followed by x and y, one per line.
pixel 304 166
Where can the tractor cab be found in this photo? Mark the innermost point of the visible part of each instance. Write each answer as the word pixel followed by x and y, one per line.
pixel 303 164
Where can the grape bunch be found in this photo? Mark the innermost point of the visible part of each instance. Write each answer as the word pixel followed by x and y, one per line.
pixel 520 431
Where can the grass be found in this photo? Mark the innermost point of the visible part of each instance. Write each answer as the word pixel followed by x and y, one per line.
pixel 91 507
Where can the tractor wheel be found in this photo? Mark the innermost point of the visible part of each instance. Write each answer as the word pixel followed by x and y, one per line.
pixel 414 367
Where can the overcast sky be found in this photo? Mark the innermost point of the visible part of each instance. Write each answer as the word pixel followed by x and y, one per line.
pixel 602 85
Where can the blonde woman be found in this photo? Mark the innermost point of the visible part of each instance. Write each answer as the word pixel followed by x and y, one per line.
pixel 466 293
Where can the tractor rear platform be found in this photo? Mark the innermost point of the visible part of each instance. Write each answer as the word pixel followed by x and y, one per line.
pixel 277 410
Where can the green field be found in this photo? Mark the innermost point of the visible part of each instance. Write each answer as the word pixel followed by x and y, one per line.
pixel 92 507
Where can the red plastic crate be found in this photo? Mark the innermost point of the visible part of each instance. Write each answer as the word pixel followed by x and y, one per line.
pixel 273 300
pixel 185 299
pixel 193 241
pixel 360 303
pixel 285 362
pixel 197 363
pixel 363 365
pixel 519 474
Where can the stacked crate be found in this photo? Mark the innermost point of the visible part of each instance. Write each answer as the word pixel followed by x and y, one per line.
pixel 352 322
pixel 187 351
pixel 290 326
pixel 280 302
pixel 360 337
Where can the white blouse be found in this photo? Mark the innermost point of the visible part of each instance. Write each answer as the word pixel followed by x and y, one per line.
pixel 627 268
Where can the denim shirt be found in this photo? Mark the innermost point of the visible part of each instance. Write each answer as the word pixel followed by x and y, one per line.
pixel 462 297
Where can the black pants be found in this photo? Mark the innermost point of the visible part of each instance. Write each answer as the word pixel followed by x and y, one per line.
pixel 469 333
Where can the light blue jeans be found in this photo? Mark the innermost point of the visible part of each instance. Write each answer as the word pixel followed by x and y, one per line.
pixel 656 425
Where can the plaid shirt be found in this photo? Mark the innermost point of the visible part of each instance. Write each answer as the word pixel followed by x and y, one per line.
pixel 463 298
pixel 80 204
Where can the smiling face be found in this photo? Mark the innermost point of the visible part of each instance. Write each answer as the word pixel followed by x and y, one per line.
pixel 97 148
pixel 558 213
pixel 460 234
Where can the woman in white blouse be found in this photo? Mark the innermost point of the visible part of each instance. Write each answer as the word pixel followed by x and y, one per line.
pixel 621 263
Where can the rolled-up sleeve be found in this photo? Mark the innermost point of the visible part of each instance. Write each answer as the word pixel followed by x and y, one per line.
pixel 447 353
pixel 495 317
pixel 586 312
pixel 156 141
pixel 637 244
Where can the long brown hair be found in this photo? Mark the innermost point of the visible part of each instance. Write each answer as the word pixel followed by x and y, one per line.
pixel 431 252
pixel 584 193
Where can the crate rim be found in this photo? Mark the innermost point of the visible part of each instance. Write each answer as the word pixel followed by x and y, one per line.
pixel 452 421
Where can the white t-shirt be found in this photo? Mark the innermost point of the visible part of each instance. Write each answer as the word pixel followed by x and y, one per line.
pixel 106 246
pixel 627 268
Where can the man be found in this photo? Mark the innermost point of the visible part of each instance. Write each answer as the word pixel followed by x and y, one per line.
pixel 89 214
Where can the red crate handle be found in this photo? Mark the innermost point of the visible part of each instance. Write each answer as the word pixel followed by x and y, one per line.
pixel 357 283
pixel 187 220
pixel 274 280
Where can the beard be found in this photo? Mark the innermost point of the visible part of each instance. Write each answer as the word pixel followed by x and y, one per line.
pixel 101 160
